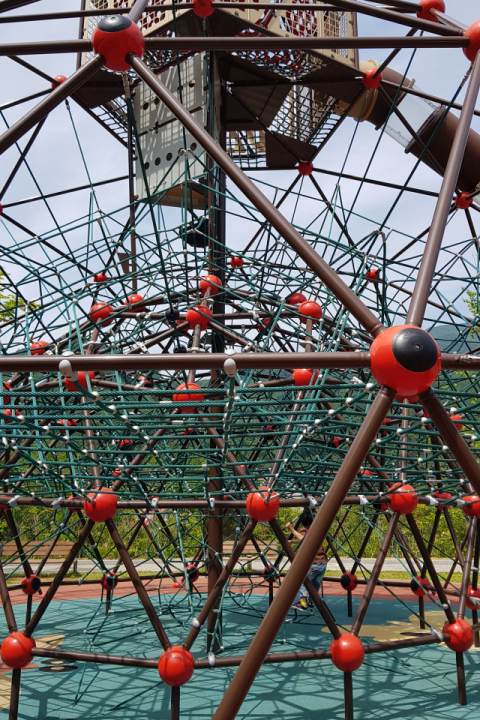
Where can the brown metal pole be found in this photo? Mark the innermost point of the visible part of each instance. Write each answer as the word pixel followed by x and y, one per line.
pixel 348 694
pixel 423 284
pixel 40 111
pixel 75 549
pixel 251 191
pixel 6 602
pixel 138 585
pixel 451 436
pixel 15 695
pixel 431 568
pixel 175 704
pixel 472 533
pixel 375 574
pixel 476 560
pixel 315 537
pixel 319 603
pixel 214 594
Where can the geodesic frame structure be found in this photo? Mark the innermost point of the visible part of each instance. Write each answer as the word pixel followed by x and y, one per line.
pixel 304 393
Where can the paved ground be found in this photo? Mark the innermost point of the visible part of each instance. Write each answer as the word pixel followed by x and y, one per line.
pixel 85 566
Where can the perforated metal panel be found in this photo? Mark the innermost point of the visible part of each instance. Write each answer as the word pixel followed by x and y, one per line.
pixel 165 146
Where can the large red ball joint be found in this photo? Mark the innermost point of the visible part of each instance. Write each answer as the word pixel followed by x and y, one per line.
pixel 461 635
pixel 16 650
pixel 406 359
pixel 372 81
pixel 427 5
pixel 417 584
pixel 403 498
pixel 259 509
pixel 176 666
pixel 101 505
pixel 347 653
pixel 473 33
pixel 31 585
pixel 349 581
pixel 115 37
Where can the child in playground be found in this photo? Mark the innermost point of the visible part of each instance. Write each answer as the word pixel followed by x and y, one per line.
pixel 319 565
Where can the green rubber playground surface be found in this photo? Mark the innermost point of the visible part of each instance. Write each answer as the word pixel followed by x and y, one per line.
pixel 414 683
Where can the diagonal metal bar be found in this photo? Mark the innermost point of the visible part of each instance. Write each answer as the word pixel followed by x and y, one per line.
pixel 319 603
pixel 60 576
pixel 430 567
pixel 423 284
pixel 253 194
pixel 40 111
pixel 220 584
pixel 6 602
pixel 138 585
pixel 452 437
pixel 266 634
pixel 375 574
pixel 471 538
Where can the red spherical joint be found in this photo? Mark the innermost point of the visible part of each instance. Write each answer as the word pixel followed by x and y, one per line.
pixel 269 574
pixel 310 310
pixel 427 5
pixel 406 359
pixel 263 324
pixel 6 398
pixel 349 581
pixel 372 275
pixel 457 419
pixel 125 444
pixel 203 8
pixel 192 573
pixel 16 650
pixel 176 585
pixel 236 262
pixel 269 432
pixel 473 34
pixel 296 299
pixel 188 397
pixel 347 652
pixel 9 416
pixel 385 424
pixel 441 495
pixel 110 580
pixel 472 508
pixel 403 498
pixel 134 300
pixel 67 423
pixel 100 312
pixel 39 347
pixel 461 635
pixel 212 283
pixel 146 381
pixel 417 584
pixel 463 201
pixel 82 381
pixel 115 37
pixel 475 594
pixel 371 80
pixel 336 441
pixel 176 666
pixel 199 315
pixel 58 80
pixel 305 168
pixel 101 505
pixel 1 209
pixel 100 277
pixel 303 376
pixel 31 585
pixel 259 509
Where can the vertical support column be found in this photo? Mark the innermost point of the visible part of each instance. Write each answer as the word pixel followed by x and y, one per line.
pixel 217 267
pixel 348 693
pixel 14 695
pixel 175 704
pixel 131 191
pixel 476 560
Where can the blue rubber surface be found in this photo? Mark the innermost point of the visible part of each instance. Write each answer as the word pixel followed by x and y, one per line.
pixel 415 683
